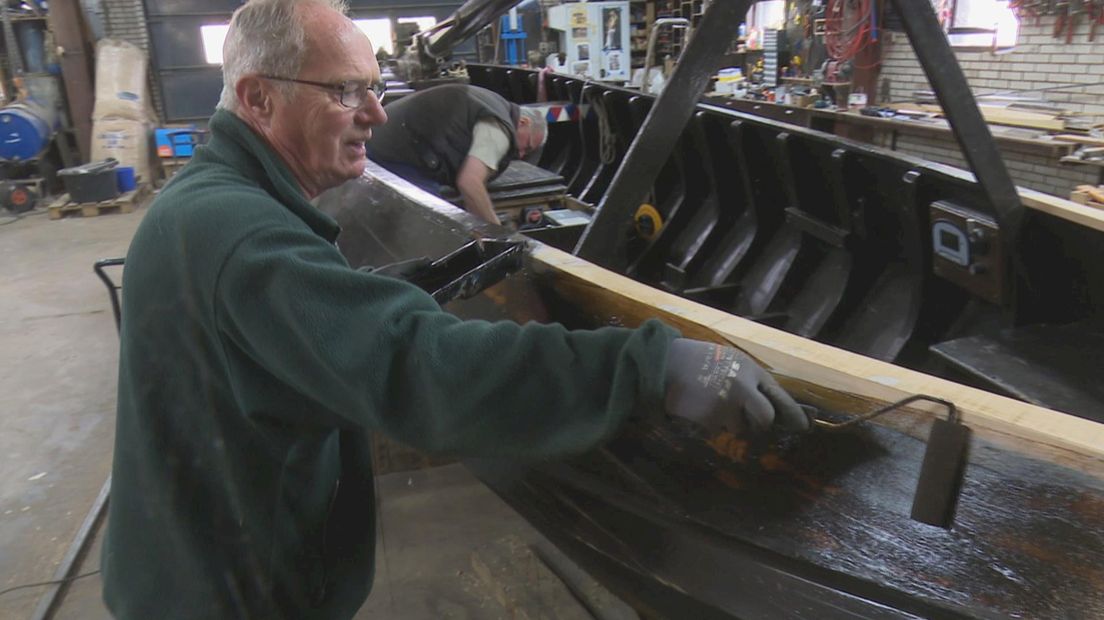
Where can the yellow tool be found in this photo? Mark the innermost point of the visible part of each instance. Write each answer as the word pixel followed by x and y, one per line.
pixel 648 222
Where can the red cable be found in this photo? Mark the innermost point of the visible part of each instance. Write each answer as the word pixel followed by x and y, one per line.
pixel 834 32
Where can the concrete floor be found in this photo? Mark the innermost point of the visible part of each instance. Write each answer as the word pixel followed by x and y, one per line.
pixel 59 352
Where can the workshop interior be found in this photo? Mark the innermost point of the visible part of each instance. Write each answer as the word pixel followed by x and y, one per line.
pixel 895 206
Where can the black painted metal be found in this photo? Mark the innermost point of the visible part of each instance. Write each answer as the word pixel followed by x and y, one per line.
pixel 112 287
pixel 830 238
pixel 735 197
pixel 465 22
pixel 605 241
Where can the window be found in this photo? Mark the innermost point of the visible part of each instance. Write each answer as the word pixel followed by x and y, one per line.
pixel 768 15
pixel 213 36
pixel 378 31
pixel 424 23
pixel 983 25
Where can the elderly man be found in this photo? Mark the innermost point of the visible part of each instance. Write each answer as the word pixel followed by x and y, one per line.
pixel 255 362
pixel 458 135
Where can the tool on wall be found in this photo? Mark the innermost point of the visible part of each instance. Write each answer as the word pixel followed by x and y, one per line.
pixel 1066 14
pixel 1096 17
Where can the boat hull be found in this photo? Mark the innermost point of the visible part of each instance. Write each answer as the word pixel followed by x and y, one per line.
pixel 685 525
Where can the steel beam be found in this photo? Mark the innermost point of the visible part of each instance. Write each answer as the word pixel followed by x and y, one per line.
pixel 605 239
pixel 66 21
pixel 959 106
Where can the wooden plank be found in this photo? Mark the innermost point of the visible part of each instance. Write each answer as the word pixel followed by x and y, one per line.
pixel 126 203
pixel 1088 195
pixel 1094 193
pixel 1018 118
pixel 1074 159
pixel 996 115
pixel 1079 139
pixel 521 582
pixel 820 374
pixel 1063 208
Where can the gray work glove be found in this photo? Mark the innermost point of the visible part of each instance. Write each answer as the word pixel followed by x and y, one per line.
pixel 719 387
pixel 403 269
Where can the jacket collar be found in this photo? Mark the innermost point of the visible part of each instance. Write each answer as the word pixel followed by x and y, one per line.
pixel 238 143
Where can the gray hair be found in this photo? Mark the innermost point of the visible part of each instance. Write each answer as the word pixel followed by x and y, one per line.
pixel 265 37
pixel 537 122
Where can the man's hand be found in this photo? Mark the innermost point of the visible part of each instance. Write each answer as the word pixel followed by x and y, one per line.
pixel 471 182
pixel 719 387
pixel 403 270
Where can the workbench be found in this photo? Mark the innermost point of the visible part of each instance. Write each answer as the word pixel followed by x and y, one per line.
pixel 885 131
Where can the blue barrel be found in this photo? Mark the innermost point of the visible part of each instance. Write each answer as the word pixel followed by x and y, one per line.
pixel 124 176
pixel 23 133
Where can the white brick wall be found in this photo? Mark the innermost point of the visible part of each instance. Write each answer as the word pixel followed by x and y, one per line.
pixel 126 19
pixel 1036 170
pixel 1038 61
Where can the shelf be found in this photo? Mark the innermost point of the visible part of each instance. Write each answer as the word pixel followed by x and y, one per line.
pixel 1069 159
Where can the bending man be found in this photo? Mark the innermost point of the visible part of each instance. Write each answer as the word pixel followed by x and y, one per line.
pixel 458 135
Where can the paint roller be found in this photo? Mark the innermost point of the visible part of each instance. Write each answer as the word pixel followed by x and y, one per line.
pixel 944 466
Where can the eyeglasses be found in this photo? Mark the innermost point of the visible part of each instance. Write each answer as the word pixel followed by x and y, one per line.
pixel 351 93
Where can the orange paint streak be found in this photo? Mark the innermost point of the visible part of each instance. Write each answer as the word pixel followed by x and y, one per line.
pixel 728 445
pixel 729 479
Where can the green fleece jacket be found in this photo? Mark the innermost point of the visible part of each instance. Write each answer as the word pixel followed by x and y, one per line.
pixel 254 364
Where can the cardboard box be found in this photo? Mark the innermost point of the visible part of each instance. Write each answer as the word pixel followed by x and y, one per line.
pixel 128 141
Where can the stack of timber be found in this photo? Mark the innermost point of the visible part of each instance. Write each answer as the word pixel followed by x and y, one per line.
pixel 1089 195
pixel 999 115
pixel 125 203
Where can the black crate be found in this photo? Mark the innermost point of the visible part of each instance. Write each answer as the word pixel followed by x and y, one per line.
pixel 92 182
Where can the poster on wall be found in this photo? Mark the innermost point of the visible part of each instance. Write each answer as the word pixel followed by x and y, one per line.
pixel 579 33
pixel 611 35
pixel 584 51
pixel 613 62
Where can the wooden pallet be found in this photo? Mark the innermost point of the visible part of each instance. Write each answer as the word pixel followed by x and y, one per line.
pixel 125 203
pixel 1089 196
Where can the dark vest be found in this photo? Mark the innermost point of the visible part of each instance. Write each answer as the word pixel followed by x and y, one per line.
pixel 432 129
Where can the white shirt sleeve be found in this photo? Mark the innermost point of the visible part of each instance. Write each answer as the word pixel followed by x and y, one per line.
pixel 490 143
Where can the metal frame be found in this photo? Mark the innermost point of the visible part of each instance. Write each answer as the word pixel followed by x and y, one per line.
pixel 604 241
pixel 970 129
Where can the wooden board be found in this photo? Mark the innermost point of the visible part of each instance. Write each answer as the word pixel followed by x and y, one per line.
pixel 1089 196
pixel 996 115
pixel 126 203
pixel 818 373
pixel 1079 139
pixel 1063 208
